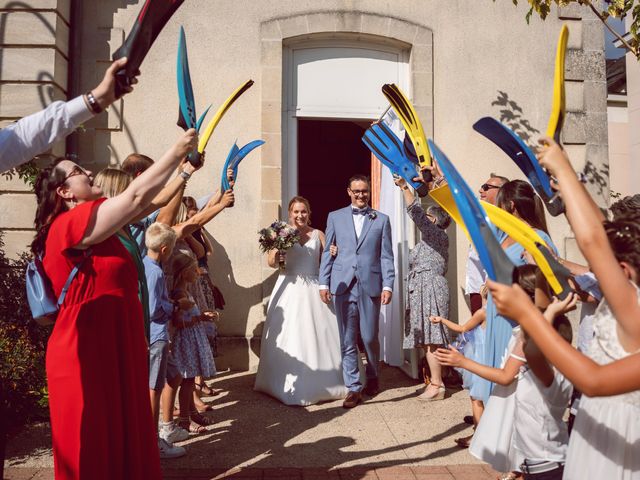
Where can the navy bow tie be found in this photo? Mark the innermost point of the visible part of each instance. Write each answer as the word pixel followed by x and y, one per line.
pixel 360 211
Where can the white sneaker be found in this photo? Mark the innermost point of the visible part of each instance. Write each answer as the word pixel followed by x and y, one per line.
pixel 172 433
pixel 170 451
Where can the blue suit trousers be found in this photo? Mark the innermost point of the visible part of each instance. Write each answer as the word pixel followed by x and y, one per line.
pixel 358 313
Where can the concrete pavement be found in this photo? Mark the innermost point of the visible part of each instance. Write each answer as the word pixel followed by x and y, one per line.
pixel 256 436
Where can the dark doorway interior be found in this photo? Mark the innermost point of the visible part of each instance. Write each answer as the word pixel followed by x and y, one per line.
pixel 329 152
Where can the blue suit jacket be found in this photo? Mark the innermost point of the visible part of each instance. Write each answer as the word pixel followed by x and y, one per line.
pixel 368 259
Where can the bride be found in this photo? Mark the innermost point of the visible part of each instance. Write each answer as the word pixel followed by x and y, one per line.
pixel 300 361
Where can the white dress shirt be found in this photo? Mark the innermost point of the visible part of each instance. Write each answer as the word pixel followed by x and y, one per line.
pixel 475 274
pixel 36 133
pixel 358 223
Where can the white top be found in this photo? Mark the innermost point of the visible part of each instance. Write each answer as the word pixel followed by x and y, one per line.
pixel 475 274
pixel 606 433
pixel 36 133
pixel 539 433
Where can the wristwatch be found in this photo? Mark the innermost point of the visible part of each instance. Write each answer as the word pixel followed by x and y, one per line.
pixel 185 175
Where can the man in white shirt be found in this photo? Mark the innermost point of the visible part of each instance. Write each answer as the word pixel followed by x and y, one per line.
pixel 358 279
pixel 36 133
pixel 475 274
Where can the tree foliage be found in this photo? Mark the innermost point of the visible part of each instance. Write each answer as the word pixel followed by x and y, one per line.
pixel 23 386
pixel 614 8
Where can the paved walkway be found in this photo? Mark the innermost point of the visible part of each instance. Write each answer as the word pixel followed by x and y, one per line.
pixel 390 436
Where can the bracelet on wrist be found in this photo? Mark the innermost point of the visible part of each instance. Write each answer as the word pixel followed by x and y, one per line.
pixel 93 103
pixel 185 175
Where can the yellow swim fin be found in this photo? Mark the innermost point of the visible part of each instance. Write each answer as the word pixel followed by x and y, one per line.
pixel 213 123
pixel 519 231
pixel 409 118
pixel 556 119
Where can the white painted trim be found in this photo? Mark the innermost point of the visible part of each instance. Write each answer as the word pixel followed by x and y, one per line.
pixel 290 114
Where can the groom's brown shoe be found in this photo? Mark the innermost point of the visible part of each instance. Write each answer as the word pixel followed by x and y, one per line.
pixel 352 400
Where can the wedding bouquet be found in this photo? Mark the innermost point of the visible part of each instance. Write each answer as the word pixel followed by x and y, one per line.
pixel 278 236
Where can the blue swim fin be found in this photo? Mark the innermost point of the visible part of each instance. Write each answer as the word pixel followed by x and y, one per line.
pixel 389 149
pixel 187 110
pixel 521 154
pixel 234 158
pixel 494 259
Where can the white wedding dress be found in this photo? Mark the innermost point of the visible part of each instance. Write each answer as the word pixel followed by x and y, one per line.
pixel 300 360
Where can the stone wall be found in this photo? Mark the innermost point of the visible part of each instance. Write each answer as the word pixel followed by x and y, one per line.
pixel 34 58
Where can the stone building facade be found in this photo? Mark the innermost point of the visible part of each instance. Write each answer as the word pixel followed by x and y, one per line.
pixel 462 60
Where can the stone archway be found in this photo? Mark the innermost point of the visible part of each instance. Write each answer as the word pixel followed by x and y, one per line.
pixel 275 32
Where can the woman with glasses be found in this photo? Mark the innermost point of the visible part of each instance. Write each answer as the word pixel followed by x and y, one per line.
pixel 428 290
pixel 97 357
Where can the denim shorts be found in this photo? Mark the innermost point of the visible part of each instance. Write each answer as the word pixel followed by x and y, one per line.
pixel 162 367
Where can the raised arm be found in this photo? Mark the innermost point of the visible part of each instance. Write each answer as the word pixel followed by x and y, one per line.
pixel 205 215
pixel 36 133
pixel 586 220
pixel 407 194
pixel 117 211
pixel 620 376
pixel 169 211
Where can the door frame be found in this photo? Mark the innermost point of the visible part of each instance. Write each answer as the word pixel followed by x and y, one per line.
pixel 289 111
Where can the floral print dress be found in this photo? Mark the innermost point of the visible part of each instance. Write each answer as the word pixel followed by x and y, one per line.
pixel 427 288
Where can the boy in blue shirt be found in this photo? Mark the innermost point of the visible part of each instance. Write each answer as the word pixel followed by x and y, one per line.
pixel 160 240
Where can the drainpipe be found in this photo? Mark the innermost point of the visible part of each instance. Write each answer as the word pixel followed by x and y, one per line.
pixel 75 61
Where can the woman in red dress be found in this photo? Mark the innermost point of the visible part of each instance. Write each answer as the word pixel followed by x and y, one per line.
pixel 97 359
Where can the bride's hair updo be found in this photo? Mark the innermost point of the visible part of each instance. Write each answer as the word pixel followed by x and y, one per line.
pixel 299 199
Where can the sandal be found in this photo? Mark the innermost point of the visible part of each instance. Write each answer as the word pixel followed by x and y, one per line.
pixel 439 395
pixel 201 419
pixel 509 476
pixel 190 426
pixel 206 408
pixel 206 390
pixel 464 442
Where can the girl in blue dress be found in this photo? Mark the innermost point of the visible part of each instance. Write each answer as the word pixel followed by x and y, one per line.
pixel 518 198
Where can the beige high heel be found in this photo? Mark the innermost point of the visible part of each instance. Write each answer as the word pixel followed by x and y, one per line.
pixel 424 397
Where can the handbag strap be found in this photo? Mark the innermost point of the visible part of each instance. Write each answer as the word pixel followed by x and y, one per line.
pixel 72 275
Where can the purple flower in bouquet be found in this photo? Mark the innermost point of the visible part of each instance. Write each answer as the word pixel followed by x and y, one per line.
pixel 279 236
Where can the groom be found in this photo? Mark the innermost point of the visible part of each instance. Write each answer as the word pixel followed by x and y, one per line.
pixel 360 277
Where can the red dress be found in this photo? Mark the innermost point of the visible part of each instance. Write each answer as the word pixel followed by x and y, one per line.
pixel 97 361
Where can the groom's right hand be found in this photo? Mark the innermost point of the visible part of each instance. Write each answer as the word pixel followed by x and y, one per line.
pixel 325 296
